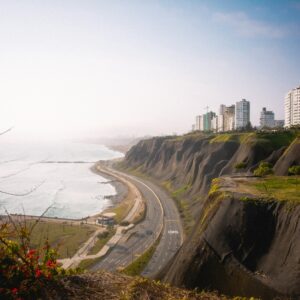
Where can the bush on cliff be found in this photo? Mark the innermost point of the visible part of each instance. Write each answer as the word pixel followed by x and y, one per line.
pixel 264 169
pixel 294 170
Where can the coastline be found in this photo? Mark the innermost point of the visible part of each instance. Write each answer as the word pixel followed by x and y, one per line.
pixel 121 188
pixel 121 193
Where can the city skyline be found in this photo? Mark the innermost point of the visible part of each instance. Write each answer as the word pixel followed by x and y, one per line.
pixel 99 68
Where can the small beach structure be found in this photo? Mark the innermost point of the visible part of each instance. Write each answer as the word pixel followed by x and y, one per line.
pixel 106 219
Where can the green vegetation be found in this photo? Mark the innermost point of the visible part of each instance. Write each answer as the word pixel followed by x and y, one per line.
pixel 25 270
pixel 294 170
pixel 226 137
pixel 240 166
pixel 122 209
pixel 278 139
pixel 103 238
pixel 86 264
pixel 137 266
pixel 264 169
pixel 67 238
pixel 215 185
pixel 275 140
pixel 182 204
pixel 282 188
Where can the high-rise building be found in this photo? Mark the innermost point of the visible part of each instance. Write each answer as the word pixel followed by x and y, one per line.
pixel 229 118
pixel 220 127
pixel 207 118
pixel 214 123
pixel 292 107
pixel 199 123
pixel 242 114
pixel 267 118
pixel 222 109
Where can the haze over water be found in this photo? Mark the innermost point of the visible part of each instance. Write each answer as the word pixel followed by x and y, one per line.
pixel 34 177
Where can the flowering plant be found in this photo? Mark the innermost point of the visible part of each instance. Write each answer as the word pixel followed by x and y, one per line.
pixel 24 271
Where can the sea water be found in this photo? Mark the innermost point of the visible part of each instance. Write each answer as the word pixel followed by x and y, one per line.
pixel 53 178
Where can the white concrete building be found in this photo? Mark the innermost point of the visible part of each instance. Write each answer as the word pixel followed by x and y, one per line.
pixel 214 124
pixel 292 107
pixel 199 123
pixel 222 109
pixel 279 123
pixel 267 118
pixel 242 114
pixel 229 118
pixel 220 123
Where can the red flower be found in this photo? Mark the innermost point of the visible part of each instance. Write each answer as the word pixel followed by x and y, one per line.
pixel 31 253
pixel 38 273
pixel 50 264
pixel 14 291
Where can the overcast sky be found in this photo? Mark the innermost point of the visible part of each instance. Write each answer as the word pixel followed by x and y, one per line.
pixel 92 68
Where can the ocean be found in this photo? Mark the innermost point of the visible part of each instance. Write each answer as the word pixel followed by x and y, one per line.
pixel 55 178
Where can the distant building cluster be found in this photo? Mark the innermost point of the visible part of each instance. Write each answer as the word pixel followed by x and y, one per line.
pixel 237 116
pixel 233 117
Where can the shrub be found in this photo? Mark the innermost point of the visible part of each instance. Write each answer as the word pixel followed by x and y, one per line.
pixel 294 170
pixel 240 166
pixel 264 169
pixel 24 271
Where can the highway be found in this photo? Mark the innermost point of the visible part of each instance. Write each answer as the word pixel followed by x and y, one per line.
pixel 162 220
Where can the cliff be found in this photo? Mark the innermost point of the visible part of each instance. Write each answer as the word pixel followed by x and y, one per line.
pixel 187 164
pixel 245 242
pixel 244 231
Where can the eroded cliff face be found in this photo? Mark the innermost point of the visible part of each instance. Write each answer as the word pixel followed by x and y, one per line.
pixel 242 246
pixel 238 247
pixel 189 163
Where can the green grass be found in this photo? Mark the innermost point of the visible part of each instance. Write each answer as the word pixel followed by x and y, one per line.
pixel 182 204
pixel 275 140
pixel 225 137
pixel 86 264
pixel 282 188
pixel 137 266
pixel 278 139
pixel 102 240
pixel 66 237
pixel 123 208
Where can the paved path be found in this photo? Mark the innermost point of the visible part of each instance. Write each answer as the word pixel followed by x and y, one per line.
pixel 162 218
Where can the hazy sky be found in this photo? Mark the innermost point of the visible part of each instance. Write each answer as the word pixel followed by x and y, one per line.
pixel 141 67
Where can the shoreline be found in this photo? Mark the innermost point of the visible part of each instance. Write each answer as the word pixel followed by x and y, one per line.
pixel 121 194
pixel 121 188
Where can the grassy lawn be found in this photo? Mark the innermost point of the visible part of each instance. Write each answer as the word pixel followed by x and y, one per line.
pixel 283 188
pixel 66 237
pixel 103 238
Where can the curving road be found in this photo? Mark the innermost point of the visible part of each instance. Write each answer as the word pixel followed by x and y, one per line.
pixel 162 218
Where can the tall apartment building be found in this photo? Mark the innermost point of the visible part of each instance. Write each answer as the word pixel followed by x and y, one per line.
pixel 199 123
pixel 214 123
pixel 229 118
pixel 292 107
pixel 207 118
pixel 222 109
pixel 220 127
pixel 242 114
pixel 226 118
pixel 267 118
